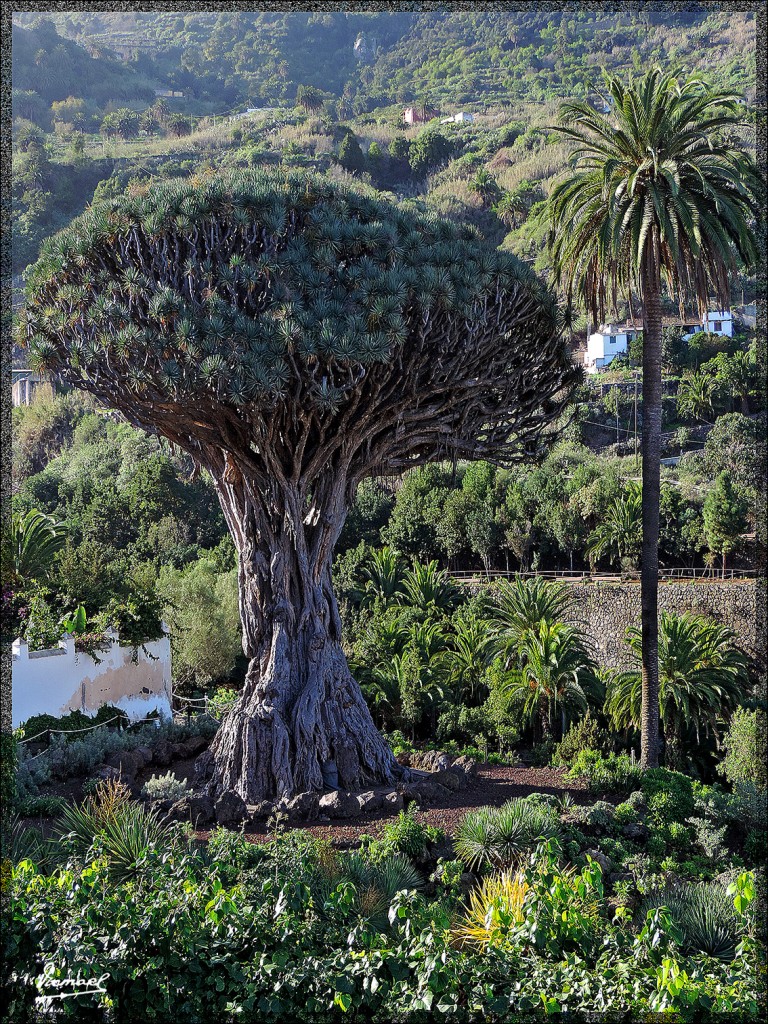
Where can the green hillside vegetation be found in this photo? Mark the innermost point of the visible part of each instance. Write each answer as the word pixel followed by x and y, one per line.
pixel 104 124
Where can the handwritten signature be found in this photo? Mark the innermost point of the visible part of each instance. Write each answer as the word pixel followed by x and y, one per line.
pixel 83 986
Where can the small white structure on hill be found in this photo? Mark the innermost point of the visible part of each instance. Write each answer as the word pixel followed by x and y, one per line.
pixel 605 344
pixel 613 339
pixel 461 118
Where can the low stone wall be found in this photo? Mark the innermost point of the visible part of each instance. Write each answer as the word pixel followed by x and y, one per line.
pixel 606 610
pixel 61 680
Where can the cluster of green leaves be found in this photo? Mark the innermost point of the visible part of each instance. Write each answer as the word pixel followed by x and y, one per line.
pixel 305 934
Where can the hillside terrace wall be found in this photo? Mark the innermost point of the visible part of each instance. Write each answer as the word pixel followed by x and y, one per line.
pixel 608 609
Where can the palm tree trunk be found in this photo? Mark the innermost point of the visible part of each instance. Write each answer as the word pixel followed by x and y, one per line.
pixel 651 455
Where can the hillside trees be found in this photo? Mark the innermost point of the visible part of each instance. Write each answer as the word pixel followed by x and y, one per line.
pixel 295 338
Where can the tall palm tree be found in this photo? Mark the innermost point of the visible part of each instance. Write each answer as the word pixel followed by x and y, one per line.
pixel 657 193
pixel 702 678
pixel 558 676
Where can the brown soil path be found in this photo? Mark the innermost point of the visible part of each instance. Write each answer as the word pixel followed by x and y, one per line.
pixel 491 784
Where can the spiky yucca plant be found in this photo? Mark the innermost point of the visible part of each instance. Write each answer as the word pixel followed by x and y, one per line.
pixel 493 909
pixel 497 836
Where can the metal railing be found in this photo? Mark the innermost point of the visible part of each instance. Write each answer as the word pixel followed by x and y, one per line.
pixel 571 575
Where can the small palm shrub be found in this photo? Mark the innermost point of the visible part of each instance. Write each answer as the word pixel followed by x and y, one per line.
pixel 494 907
pixel 375 884
pixel 115 826
pixel 705 916
pixel 496 836
pixel 164 787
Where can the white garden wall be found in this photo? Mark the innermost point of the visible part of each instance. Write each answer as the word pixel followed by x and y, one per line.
pixel 61 680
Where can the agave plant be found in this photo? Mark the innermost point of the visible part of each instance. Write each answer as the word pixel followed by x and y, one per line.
pixel 705 916
pixel 496 836
pixel 493 909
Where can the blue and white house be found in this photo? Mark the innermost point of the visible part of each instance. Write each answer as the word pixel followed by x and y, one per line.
pixel 613 339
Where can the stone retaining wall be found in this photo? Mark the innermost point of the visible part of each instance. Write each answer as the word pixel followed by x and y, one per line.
pixel 608 609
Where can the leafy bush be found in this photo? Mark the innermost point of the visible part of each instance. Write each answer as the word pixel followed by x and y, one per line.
pixel 600 816
pixel 582 735
pixel 625 814
pixel 164 787
pixel 613 773
pixel 40 806
pixel 222 701
pixel 406 834
pixel 75 721
pixel 744 743
pixel 669 795
pixel 709 838
pixel 492 836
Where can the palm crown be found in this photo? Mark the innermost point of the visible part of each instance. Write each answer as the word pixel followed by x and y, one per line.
pixel 660 186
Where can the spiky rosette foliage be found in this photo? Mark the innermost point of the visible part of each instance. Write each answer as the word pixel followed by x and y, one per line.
pixel 248 293
pixel 295 337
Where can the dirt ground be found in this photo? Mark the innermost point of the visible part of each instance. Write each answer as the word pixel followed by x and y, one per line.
pixel 489 785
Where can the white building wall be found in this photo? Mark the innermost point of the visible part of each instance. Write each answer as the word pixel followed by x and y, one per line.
pixel 61 680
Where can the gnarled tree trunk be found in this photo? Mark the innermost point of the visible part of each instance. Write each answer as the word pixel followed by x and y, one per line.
pixel 301 722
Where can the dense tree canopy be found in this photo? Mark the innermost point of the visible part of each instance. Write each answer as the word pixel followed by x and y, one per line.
pixel 296 337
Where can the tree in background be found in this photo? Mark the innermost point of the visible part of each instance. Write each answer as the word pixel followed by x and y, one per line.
pixel 658 194
pixel 618 535
pixel 725 516
pixel 702 677
pixel 351 156
pixel 296 337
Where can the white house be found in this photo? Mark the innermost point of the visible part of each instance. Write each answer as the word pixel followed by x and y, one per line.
pixel 606 343
pixel 718 322
pixel 613 339
pixel 461 118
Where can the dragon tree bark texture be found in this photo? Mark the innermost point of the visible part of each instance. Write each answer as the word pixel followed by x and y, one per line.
pixel 295 337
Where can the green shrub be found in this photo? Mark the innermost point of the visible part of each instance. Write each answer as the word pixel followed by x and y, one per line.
pixel 709 838
pixel 40 806
pixel 164 787
pixel 744 743
pixel 600 816
pixel 669 795
pixel 406 834
pixel 496 836
pixel 625 814
pixel 705 916
pixel 613 773
pixel 582 735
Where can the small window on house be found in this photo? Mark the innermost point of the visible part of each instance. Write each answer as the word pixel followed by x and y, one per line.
pixel 718 325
